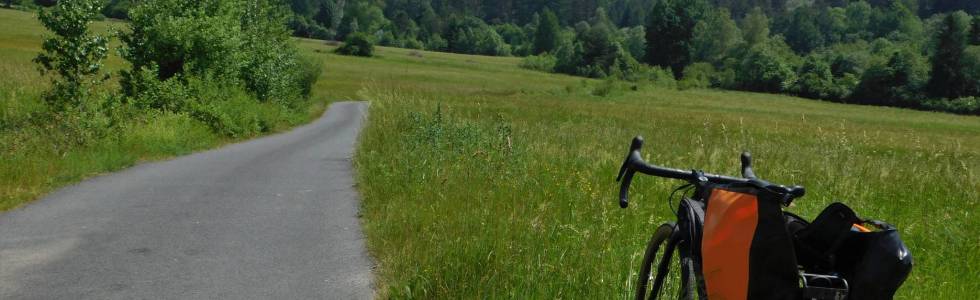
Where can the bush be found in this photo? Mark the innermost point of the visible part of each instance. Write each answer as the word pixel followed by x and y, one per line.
pixel 897 82
pixel 544 63
pixel 357 44
pixel 698 75
pixel 965 105
pixel 413 44
pixel 222 62
pixel 271 69
pixel 606 87
pixel 229 112
pixel 816 80
pixel 309 71
pixel 658 76
pixel 436 43
pixel 117 9
pixel 180 37
pixel 763 69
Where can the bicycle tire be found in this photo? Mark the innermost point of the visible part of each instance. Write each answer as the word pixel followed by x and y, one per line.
pixel 665 235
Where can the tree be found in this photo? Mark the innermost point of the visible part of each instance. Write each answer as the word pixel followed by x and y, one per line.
pixel 598 48
pixel 975 31
pixel 897 82
pixel 765 68
pixel 715 36
pixel 326 15
pixel 348 26
pixel 669 31
pixel 548 32
pixel 73 53
pixel 635 41
pixel 269 62
pixel 859 15
pixel 177 37
pixel 815 79
pixel 833 24
pixel 118 9
pixel 755 27
pixel 949 78
pixel 801 30
pixel 240 43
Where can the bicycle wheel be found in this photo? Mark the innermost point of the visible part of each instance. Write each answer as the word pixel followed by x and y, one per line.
pixel 664 282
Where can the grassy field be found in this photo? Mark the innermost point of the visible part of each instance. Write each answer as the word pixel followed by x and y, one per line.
pixel 36 157
pixel 483 180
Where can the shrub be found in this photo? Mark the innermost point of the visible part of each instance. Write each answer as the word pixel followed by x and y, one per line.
pixel 309 71
pixel 436 42
pixel 217 61
pixel 357 44
pixel 606 87
pixel 897 82
pixel 658 76
pixel 118 9
pixel 176 37
pixel 965 105
pixel 568 57
pixel 697 75
pixel 413 44
pixel 816 80
pixel 228 112
pixel 73 54
pixel 763 69
pixel 147 91
pixel 544 63
pixel 270 67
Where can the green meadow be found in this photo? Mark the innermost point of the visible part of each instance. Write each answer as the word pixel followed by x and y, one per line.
pixel 483 180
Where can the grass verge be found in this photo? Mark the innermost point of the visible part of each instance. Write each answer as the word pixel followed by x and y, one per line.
pixel 38 157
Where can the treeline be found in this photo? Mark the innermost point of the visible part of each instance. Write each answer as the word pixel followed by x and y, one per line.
pixel 856 53
pixel 908 53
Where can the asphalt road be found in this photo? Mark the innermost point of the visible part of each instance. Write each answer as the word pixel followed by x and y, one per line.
pixel 271 218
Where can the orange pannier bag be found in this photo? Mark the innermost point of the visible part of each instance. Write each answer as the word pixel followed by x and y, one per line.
pixel 746 252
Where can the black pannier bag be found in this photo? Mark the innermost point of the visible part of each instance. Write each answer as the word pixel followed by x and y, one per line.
pixel 874 263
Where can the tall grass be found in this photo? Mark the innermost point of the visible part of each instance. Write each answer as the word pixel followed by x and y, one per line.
pixel 498 182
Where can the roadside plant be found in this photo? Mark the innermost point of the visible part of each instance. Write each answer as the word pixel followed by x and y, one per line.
pixel 73 54
pixel 357 45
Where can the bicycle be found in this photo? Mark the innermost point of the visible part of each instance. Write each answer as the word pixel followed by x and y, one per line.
pixel 732 240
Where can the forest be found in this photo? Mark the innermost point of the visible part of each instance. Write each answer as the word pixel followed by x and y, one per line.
pixel 918 54
pixel 922 54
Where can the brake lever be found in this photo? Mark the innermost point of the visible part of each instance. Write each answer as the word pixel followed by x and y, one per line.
pixel 624 188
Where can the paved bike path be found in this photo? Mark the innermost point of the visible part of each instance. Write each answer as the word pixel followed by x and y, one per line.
pixel 271 218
